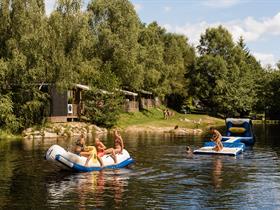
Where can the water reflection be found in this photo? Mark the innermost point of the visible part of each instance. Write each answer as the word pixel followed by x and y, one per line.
pixel 163 176
pixel 90 188
pixel 217 172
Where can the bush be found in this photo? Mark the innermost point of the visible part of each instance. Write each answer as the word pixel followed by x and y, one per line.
pixel 102 108
pixel 8 120
pixel 34 110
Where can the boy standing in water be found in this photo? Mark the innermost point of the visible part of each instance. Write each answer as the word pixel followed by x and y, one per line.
pixel 217 138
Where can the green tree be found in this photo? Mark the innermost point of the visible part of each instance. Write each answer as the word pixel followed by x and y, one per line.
pixel 103 103
pixel 216 41
pixel 22 62
pixel 233 71
pixel 5 26
pixel 68 41
pixel 152 55
pixel 116 25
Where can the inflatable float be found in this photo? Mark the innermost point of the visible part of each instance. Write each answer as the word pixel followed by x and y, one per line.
pixel 69 160
pixel 242 129
pixel 230 148
pixel 239 134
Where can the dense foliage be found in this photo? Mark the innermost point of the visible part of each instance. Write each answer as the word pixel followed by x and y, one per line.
pixel 107 47
pixel 226 75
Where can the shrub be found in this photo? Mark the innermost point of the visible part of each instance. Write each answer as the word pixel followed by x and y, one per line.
pixel 102 108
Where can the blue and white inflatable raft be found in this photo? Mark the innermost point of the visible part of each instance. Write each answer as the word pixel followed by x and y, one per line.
pixel 232 147
pixel 239 134
pixel 68 160
pixel 241 128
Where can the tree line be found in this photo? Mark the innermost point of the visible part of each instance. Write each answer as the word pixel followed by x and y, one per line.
pixel 106 46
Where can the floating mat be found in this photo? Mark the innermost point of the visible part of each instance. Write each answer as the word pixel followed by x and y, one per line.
pixel 224 151
pixel 229 149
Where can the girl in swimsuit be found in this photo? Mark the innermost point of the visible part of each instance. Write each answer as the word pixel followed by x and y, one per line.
pixel 118 146
pixel 118 143
pixel 100 147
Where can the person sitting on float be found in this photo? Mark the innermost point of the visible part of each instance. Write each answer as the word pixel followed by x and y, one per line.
pixel 118 146
pixel 100 147
pixel 81 149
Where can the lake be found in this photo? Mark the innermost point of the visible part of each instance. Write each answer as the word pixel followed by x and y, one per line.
pixel 163 176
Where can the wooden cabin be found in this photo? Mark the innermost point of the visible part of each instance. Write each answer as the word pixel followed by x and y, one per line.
pixel 147 100
pixel 66 105
pixel 130 103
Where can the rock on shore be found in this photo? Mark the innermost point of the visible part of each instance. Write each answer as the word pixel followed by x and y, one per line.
pixel 70 129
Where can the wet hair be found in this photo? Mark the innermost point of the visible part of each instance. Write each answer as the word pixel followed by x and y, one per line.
pixel 211 128
pixel 176 127
pixel 78 142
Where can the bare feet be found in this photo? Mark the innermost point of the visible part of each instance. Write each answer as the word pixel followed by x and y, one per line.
pixel 217 149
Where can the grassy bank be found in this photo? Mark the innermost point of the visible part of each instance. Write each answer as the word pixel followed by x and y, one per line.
pixel 154 118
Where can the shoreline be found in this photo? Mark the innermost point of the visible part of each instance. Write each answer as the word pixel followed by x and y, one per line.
pixel 74 129
pixel 150 121
pixel 163 130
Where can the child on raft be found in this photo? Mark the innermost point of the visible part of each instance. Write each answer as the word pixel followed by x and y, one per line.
pixel 81 149
pixel 118 146
pixel 100 147
pixel 217 138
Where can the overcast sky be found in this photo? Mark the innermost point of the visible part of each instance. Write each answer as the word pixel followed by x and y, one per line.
pixel 258 21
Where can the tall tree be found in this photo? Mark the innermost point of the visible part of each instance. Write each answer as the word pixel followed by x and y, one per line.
pixel 68 38
pixel 116 25
pixel 152 55
pixel 238 75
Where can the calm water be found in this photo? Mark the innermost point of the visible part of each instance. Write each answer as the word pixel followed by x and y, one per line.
pixel 163 177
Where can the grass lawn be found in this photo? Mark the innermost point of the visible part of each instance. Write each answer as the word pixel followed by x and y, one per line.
pixel 154 117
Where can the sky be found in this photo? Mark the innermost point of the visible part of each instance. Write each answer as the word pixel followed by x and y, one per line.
pixel 258 21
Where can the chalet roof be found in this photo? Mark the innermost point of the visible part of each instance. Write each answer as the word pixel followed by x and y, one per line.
pixel 146 92
pixel 126 92
pixel 83 87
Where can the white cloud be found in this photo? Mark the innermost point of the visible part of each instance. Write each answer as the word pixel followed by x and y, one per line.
pixel 168 27
pixel 220 3
pixel 137 7
pixel 49 5
pixel 167 9
pixel 266 59
pixel 251 29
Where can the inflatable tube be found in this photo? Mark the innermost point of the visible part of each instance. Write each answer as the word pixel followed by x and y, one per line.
pixel 68 160
pixel 242 128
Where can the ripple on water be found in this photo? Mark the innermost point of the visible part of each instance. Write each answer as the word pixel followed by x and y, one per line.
pixel 163 177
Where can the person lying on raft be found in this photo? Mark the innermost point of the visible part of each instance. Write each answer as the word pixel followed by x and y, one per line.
pixel 81 149
pixel 217 138
pixel 118 146
pixel 100 147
